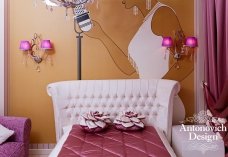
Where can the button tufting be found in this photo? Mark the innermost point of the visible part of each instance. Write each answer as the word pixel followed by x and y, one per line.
pixel 155 113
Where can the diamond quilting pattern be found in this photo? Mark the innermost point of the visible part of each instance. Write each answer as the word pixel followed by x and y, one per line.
pixel 114 143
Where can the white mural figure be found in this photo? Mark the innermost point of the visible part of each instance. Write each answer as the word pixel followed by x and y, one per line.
pixel 145 51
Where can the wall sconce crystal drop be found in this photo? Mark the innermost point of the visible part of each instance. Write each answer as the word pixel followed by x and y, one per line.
pixel 36 49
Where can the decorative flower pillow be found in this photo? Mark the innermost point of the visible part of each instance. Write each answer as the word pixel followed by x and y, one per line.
pixel 94 121
pixel 129 121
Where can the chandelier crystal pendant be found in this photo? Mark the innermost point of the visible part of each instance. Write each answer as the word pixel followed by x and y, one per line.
pixel 97 4
pixel 135 10
pixel 148 4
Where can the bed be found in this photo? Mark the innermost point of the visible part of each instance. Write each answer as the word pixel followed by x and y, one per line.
pixel 154 98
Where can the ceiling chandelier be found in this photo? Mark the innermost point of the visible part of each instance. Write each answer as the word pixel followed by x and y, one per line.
pixel 81 14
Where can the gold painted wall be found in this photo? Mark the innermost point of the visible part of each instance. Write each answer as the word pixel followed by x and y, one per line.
pixel 27 88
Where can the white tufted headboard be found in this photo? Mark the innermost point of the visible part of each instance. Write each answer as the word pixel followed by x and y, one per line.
pixel 152 98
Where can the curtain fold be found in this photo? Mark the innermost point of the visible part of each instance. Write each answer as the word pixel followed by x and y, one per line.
pixel 216 57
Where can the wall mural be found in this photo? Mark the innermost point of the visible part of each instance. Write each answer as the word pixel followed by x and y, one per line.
pixel 142 51
pixel 118 23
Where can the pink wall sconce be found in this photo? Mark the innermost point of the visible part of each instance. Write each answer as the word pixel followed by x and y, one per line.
pixel 179 46
pixel 167 42
pixel 37 49
pixel 191 42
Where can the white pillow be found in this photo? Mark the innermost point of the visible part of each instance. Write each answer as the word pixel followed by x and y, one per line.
pixel 5 133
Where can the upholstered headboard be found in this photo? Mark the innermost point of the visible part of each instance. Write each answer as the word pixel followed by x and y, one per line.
pixel 152 98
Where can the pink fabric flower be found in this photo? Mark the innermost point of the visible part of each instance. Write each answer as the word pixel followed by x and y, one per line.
pixel 94 121
pixel 129 121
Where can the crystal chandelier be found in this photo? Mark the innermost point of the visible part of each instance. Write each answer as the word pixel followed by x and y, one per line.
pixel 81 14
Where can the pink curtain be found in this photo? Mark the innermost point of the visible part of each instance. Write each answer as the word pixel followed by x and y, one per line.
pixel 216 57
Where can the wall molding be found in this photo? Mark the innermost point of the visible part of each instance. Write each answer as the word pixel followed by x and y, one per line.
pixel 6 55
pixel 199 57
pixel 2 58
pixel 3 55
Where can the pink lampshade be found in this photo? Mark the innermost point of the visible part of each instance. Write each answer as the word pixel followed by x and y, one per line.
pixel 167 42
pixel 46 45
pixel 25 45
pixel 191 42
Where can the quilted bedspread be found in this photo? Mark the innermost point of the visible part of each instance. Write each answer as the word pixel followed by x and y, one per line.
pixel 113 143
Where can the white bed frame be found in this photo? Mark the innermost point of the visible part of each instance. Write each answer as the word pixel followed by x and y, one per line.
pixel 153 98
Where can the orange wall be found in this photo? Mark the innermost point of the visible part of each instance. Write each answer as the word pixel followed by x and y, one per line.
pixel 27 88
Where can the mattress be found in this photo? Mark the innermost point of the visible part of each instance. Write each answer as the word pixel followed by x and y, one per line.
pixel 114 143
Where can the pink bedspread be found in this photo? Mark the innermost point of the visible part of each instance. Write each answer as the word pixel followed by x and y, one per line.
pixel 113 143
